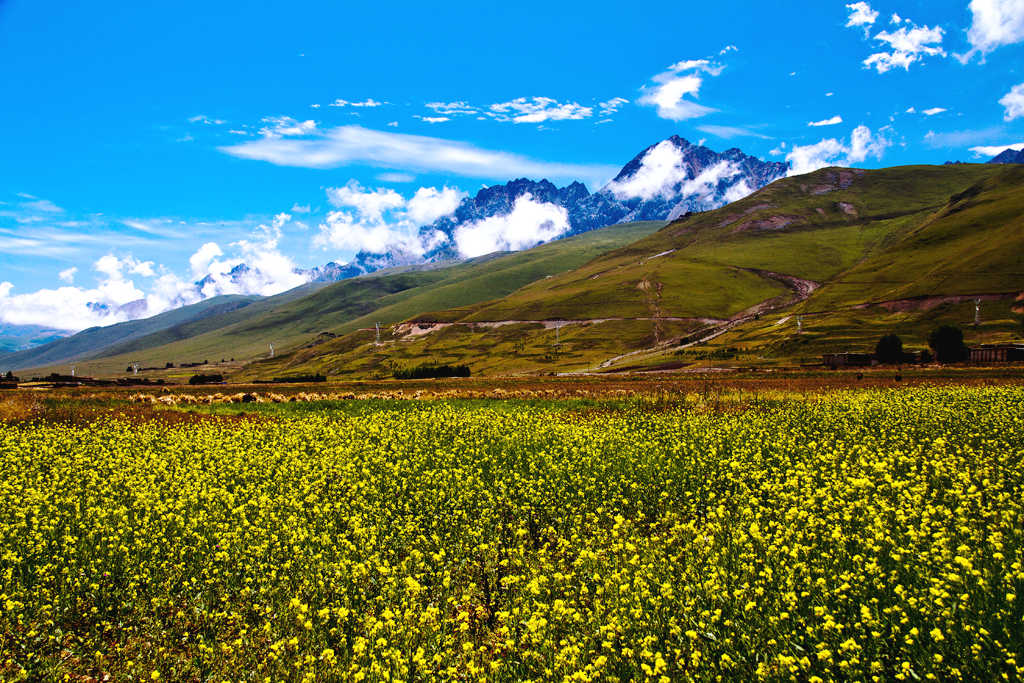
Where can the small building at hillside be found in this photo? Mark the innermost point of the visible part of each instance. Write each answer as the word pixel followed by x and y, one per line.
pixel 996 353
pixel 847 360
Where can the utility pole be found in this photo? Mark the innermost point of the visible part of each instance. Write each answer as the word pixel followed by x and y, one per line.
pixel 271 350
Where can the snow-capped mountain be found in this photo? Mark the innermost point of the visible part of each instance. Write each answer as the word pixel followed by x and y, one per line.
pixel 663 182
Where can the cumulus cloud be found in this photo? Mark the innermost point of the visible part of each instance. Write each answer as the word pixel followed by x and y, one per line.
pixel 663 173
pixel 670 90
pixel 529 223
pixel 538 110
pixel 833 152
pixel 1013 103
pixel 370 102
pixel 382 221
pixel 285 126
pixel 993 150
pixel 827 122
pixel 432 119
pixel 661 169
pixel 429 204
pixel 399 151
pixel 906 46
pixel 127 288
pixel 933 111
pixel 861 14
pixel 453 108
pixel 994 23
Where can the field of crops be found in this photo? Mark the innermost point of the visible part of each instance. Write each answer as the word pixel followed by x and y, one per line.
pixel 863 535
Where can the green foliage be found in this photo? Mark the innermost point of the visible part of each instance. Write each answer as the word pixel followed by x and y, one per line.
pixel 947 342
pixel 431 372
pixel 889 349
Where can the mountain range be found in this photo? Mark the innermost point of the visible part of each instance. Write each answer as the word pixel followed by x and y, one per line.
pixel 1008 156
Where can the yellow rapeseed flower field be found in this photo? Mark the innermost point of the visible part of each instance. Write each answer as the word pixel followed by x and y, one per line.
pixel 872 536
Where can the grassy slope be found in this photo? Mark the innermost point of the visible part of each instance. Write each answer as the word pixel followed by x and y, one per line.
pixel 293 321
pixel 87 343
pixel 866 236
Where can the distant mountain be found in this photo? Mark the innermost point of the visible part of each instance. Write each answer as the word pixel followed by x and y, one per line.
pixel 664 181
pixel 1008 156
pixel 94 340
pixel 21 337
pixel 817 263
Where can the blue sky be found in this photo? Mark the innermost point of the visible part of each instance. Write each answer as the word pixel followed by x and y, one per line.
pixel 137 135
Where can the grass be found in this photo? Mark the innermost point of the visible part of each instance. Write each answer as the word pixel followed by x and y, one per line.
pixel 296 318
pixel 864 236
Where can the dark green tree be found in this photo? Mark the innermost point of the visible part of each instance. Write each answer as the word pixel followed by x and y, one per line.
pixel 947 342
pixel 889 349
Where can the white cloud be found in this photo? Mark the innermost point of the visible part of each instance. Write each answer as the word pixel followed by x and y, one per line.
pixel 382 221
pixel 663 172
pixel 910 110
pixel 452 108
pixel 203 257
pixel 206 120
pixel 778 151
pixel 300 208
pixel 833 152
pixel 993 150
pixel 661 169
pixel 1013 102
pixel 610 107
pixel 907 46
pixel 727 49
pixel 432 119
pixel 538 110
pixel 529 223
pixel 429 204
pixel 365 103
pixel 669 92
pixel 372 204
pixel 962 138
pixel 729 132
pixel 994 23
pixel 128 288
pixel 704 185
pixel 861 14
pixel 396 177
pixel 827 122
pixel 933 111
pixel 285 126
pixel 354 144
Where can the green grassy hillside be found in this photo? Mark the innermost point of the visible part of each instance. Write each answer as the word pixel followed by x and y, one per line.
pixel 88 343
pixel 841 247
pixel 295 320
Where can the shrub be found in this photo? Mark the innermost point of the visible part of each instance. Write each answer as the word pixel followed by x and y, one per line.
pixel 947 342
pixel 206 379
pixel 432 372
pixel 889 349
